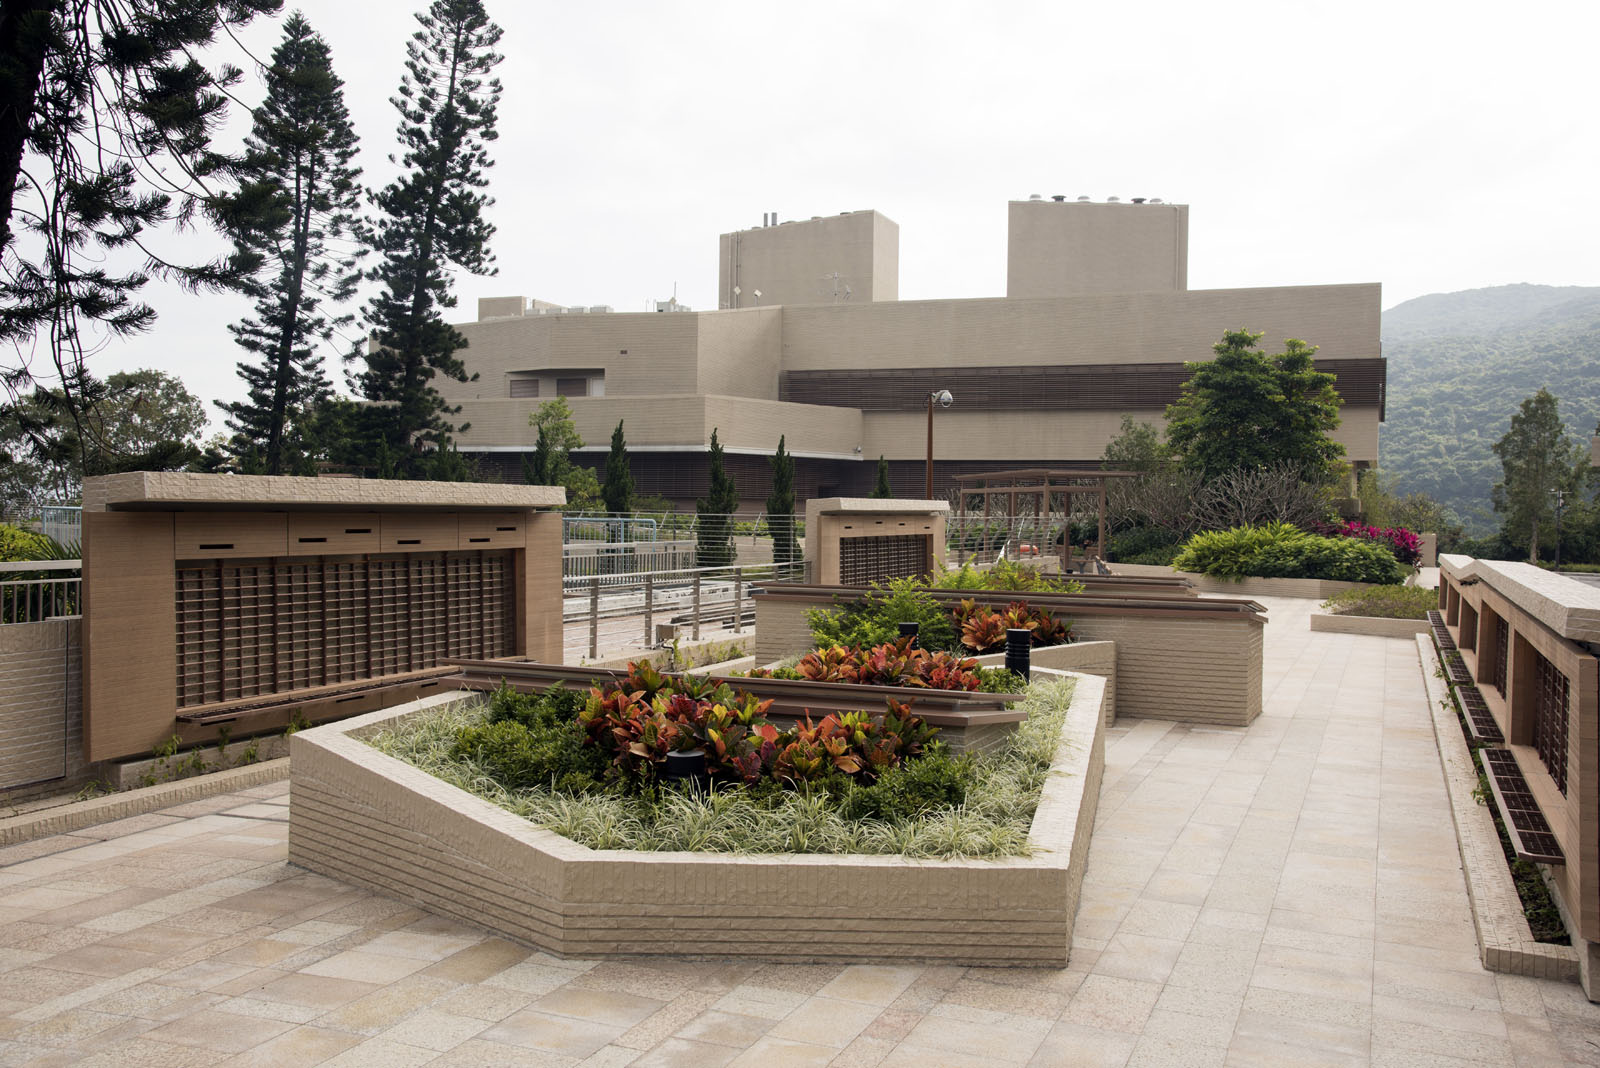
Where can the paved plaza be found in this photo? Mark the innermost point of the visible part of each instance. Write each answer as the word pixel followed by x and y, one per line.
pixel 1285 894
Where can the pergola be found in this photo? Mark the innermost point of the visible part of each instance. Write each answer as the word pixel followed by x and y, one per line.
pixel 1043 486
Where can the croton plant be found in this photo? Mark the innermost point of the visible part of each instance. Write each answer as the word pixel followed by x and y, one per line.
pixel 984 629
pixel 644 716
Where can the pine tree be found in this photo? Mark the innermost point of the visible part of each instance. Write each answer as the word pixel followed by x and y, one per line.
pixel 301 148
pixel 617 491
pixel 714 514
pixel 1537 458
pixel 780 506
pixel 106 120
pixel 881 490
pixel 432 219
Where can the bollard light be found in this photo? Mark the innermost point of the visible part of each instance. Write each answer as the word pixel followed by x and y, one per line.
pixel 1019 648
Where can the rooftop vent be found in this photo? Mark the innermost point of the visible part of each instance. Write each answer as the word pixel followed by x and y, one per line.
pixel 1138 200
pixel 1083 200
pixel 1113 200
pixel 1058 198
pixel 1035 196
pixel 1156 200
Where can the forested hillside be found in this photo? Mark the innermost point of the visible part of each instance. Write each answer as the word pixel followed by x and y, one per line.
pixel 1461 363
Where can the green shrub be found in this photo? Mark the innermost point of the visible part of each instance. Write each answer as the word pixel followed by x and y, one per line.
pixel 1144 545
pixel 1005 575
pixel 17 545
pixel 1282 550
pixel 533 741
pixel 937 779
pixel 875 618
pixel 1386 602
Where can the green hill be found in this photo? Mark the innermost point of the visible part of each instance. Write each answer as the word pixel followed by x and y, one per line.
pixel 1461 363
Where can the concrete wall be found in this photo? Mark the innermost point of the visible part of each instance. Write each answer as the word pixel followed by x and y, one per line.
pixel 366 818
pixel 1202 670
pixel 676 422
pixel 1342 320
pixel 41 707
pixel 794 262
pixel 1060 249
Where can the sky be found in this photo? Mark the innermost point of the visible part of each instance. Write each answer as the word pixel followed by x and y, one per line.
pixel 1429 147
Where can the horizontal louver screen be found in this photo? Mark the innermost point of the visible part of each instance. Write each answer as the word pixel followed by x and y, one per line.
pixel 1063 386
pixel 251 628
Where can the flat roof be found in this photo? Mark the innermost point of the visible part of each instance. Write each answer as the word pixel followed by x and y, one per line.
pixel 189 491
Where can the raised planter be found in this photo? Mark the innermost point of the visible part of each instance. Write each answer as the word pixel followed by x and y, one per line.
pixel 1178 657
pixel 366 818
pixel 1376 626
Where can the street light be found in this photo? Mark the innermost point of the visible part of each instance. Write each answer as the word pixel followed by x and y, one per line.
pixel 1561 498
pixel 944 399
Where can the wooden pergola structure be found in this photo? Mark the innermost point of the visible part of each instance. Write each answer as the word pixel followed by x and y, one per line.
pixel 1043 486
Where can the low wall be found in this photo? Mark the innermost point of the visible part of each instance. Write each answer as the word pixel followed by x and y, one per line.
pixel 41 708
pixel 1088 658
pixel 367 818
pixel 1316 589
pixel 1174 659
pixel 1375 626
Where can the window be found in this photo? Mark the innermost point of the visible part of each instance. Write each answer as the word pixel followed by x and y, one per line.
pixel 524 387
pixel 1552 706
pixel 572 387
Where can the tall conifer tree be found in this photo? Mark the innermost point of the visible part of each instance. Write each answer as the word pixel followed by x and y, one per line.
pixel 617 490
pixel 780 506
pixel 301 149
pixel 714 514
pixel 432 219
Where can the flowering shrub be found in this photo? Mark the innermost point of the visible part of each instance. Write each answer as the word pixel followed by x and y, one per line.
pixel 1406 546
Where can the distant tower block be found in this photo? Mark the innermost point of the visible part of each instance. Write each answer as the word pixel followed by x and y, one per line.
pixel 1064 248
pixel 853 257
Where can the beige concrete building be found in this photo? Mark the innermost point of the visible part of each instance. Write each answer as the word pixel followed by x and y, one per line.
pixel 1099 326
pixel 1062 248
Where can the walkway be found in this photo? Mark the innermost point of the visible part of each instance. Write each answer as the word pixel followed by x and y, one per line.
pixel 1283 895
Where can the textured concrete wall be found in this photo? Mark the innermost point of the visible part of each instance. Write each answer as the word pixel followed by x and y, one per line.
pixel 365 818
pixel 1195 671
pixel 796 262
pixel 1371 625
pixel 41 706
pixel 1060 249
pixel 1087 658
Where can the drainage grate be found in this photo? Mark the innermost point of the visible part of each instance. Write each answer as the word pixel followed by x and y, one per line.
pixel 1441 633
pixel 1456 668
pixel 1531 837
pixel 1479 719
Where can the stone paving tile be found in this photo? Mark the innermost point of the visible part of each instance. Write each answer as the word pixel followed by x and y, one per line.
pixel 1284 894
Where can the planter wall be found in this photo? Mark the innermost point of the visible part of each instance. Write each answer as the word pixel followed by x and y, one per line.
pixel 1088 658
pixel 1189 659
pixel 1371 625
pixel 369 819
pixel 1316 589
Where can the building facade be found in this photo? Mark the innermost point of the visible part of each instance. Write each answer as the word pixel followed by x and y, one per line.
pixel 1041 378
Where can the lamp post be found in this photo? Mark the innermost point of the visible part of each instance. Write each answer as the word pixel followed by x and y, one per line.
pixel 1561 498
pixel 944 399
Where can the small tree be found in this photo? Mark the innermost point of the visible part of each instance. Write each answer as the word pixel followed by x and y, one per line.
pixel 552 463
pixel 881 490
pixel 714 514
pixel 1537 458
pixel 1247 409
pixel 780 507
pixel 618 488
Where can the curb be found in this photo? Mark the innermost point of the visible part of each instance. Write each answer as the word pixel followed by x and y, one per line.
pixel 63 819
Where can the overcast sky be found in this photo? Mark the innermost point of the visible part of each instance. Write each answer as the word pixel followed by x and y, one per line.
pixel 1431 147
